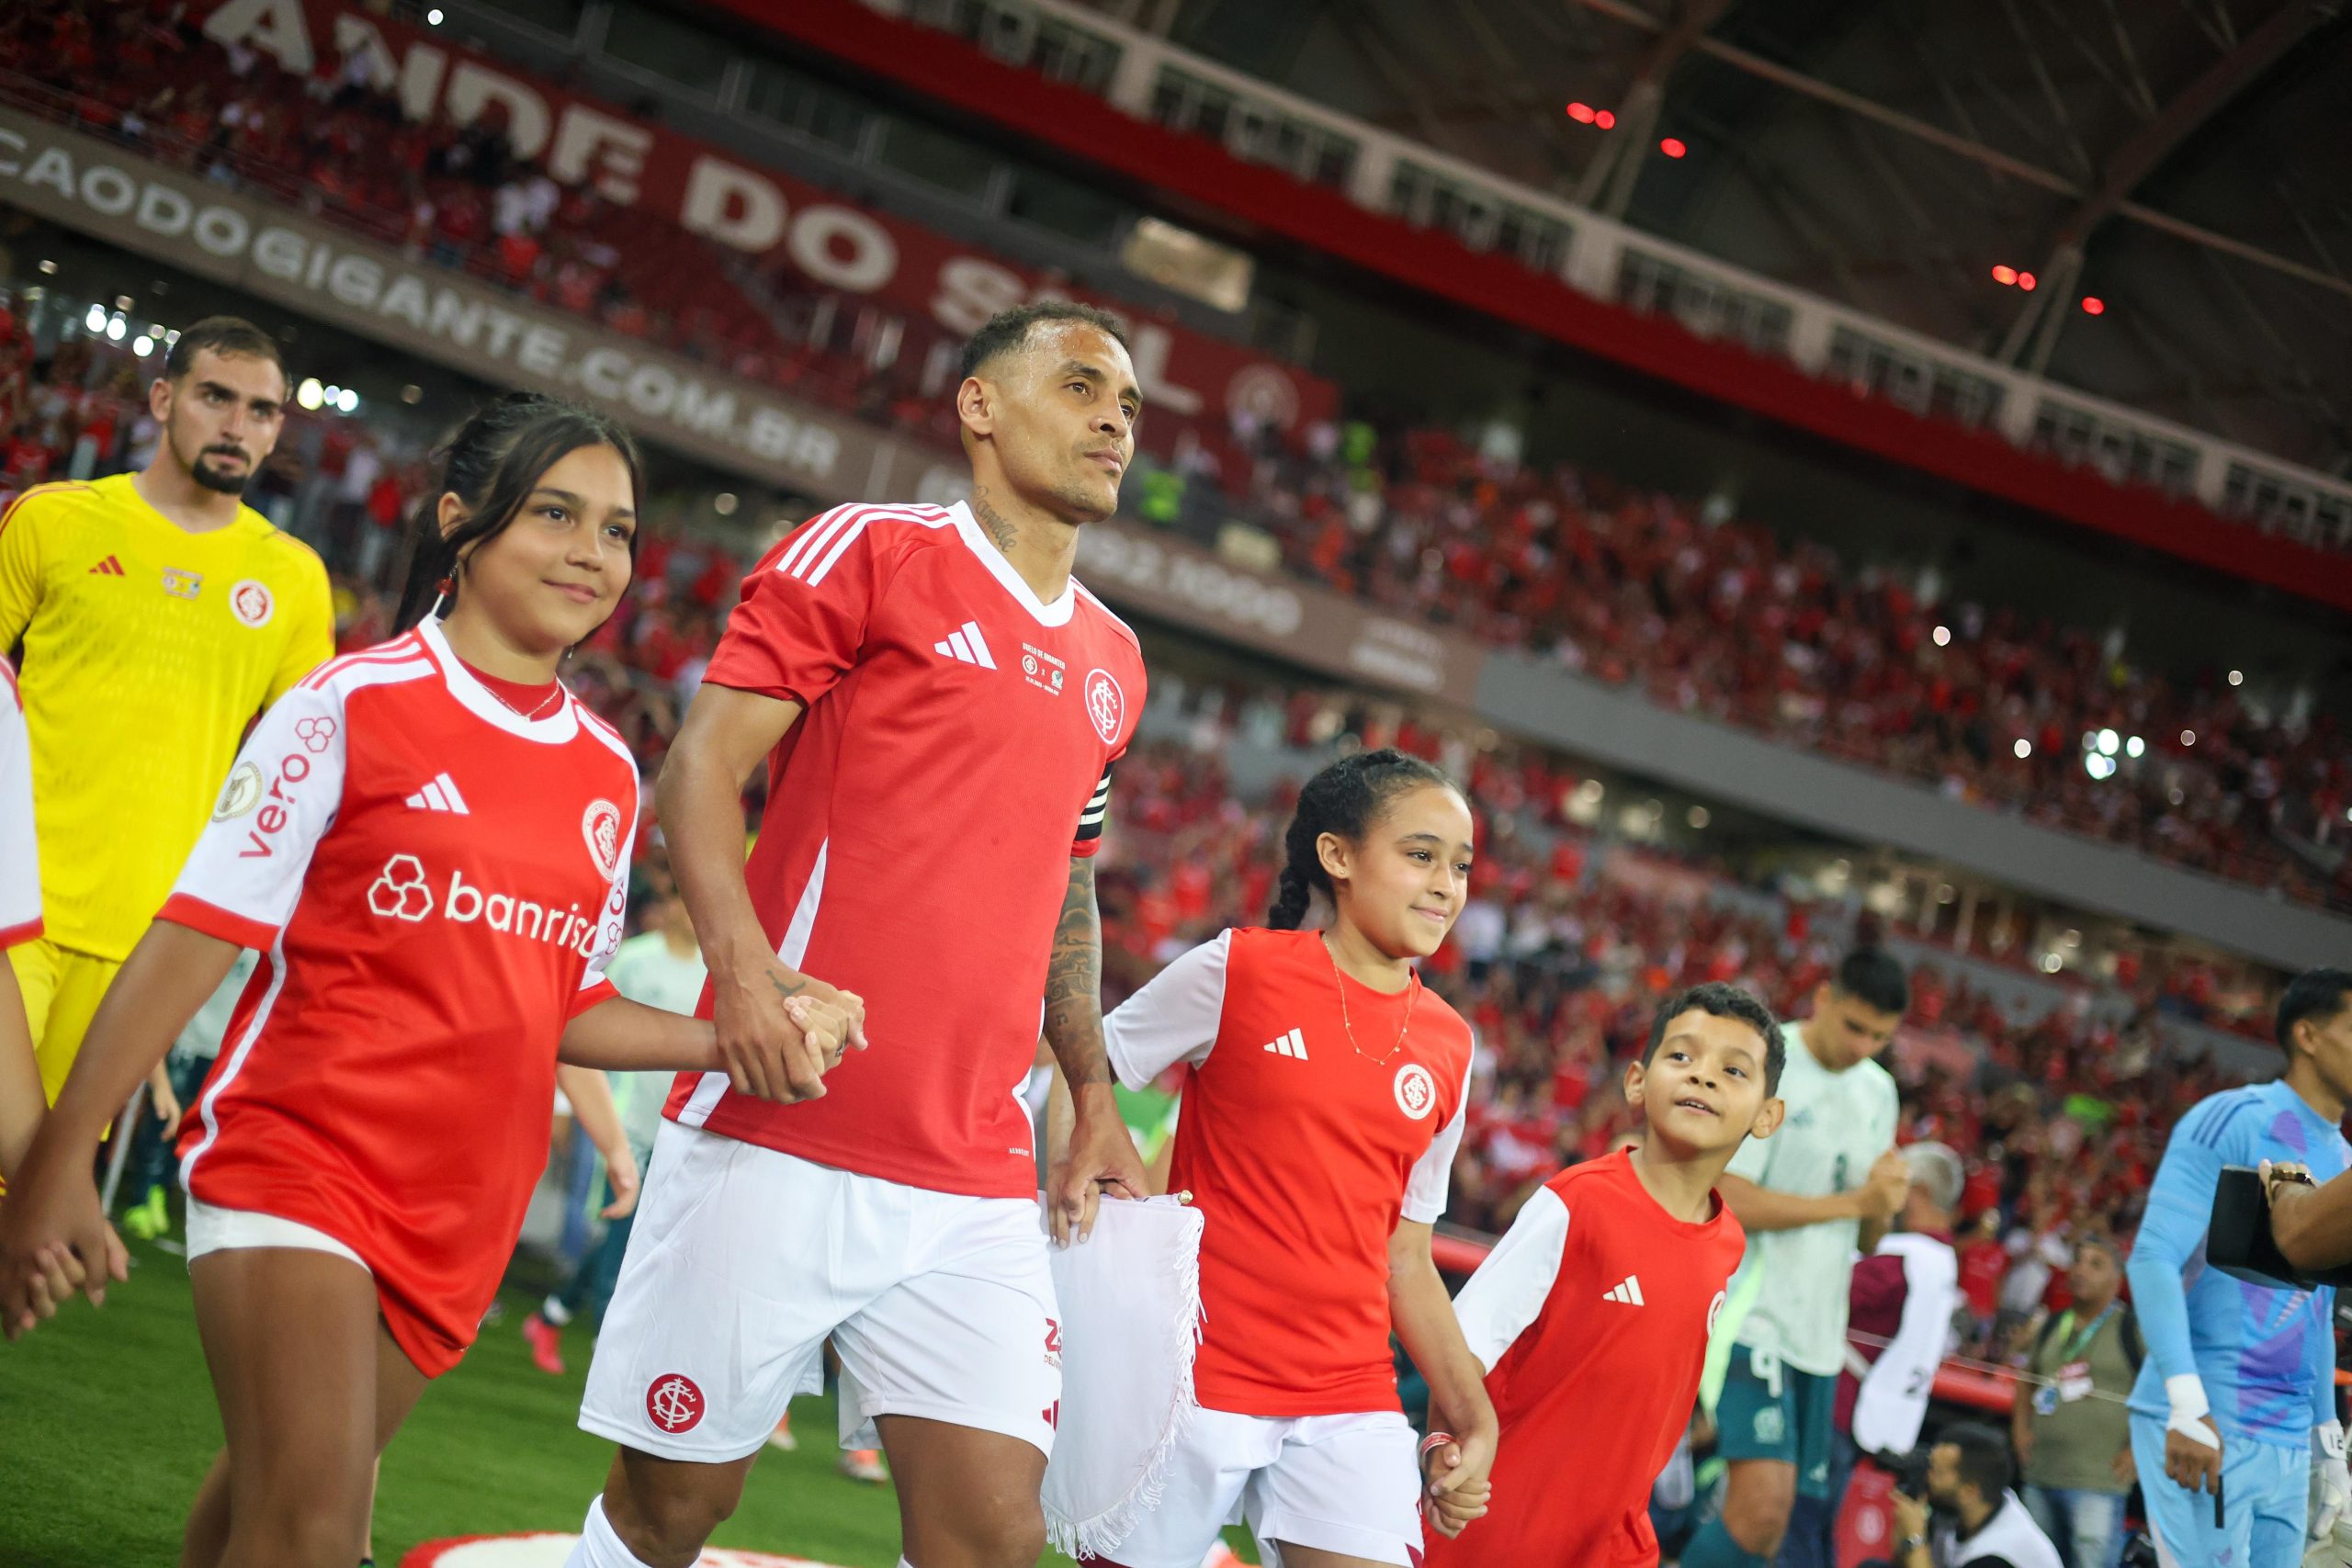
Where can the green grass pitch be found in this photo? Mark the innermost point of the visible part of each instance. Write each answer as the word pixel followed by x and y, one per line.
pixel 106 1424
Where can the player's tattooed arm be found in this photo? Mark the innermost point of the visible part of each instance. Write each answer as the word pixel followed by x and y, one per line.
pixel 1100 1156
pixel 1074 984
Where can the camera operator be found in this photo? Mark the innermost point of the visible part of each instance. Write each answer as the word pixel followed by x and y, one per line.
pixel 1968 1481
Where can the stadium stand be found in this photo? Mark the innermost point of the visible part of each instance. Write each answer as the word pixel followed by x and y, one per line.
pixel 1720 619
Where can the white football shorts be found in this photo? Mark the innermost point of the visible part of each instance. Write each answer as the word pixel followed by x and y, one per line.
pixel 743 1262
pixel 1341 1484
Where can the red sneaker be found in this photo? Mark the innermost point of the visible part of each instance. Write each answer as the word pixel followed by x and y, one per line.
pixel 547 1345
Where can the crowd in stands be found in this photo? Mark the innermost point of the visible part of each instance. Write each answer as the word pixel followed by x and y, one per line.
pixel 1719 618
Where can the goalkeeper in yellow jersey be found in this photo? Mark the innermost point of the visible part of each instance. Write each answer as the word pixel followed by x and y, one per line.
pixel 158 614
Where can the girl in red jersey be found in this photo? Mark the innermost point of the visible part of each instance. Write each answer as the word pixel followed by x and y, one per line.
pixel 1321 1113
pixel 430 843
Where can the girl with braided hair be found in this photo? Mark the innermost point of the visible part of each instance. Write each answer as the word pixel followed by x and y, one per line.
pixel 1323 1105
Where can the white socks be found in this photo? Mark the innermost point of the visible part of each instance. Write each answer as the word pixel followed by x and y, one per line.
pixel 599 1546
pixel 555 1312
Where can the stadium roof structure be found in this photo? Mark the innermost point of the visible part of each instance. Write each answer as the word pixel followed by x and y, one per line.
pixel 2181 163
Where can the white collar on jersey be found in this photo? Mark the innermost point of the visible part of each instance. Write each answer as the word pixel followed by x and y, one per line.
pixel 1056 614
pixel 553 730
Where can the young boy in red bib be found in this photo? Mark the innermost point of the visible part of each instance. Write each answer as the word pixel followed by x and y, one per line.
pixel 1591 1317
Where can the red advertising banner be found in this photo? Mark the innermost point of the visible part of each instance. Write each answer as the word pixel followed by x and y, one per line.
pixel 1188 378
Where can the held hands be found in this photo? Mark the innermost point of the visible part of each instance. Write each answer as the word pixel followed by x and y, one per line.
pixel 1101 1158
pixel 55 1241
pixel 1456 1488
pixel 780 1032
pixel 1889 1183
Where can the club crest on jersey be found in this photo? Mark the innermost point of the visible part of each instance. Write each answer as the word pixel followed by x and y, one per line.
pixel 182 584
pixel 1105 705
pixel 240 793
pixel 250 601
pixel 1416 1090
pixel 600 825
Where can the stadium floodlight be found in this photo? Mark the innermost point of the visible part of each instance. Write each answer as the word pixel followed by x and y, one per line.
pixel 2188 738
pixel 309 394
pixel 1942 636
pixel 2108 742
pixel 2024 748
pixel 2052 964
pixel 143 345
pixel 48 268
pixel 724 503
pixel 433 17
pixel 2135 747
pixel 116 329
pixel 1698 817
pixel 97 320
pixel 347 401
pixel 2099 767
pixel 2237 677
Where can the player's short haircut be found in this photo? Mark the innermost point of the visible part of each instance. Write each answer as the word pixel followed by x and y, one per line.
pixel 222 335
pixel 1723 999
pixel 1875 979
pixel 1346 798
pixel 1983 1458
pixel 2316 994
pixel 1009 329
pixel 493 464
pixel 1936 1167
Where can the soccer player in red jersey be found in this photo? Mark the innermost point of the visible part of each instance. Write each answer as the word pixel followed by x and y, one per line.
pixel 429 841
pixel 1323 1105
pixel 1592 1313
pixel 938 703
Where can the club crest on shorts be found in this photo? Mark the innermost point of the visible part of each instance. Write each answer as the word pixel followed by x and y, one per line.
pixel 674 1403
pixel 1105 705
pixel 1771 1426
pixel 600 825
pixel 1416 1090
pixel 250 601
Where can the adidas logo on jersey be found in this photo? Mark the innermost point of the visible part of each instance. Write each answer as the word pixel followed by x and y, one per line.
pixel 1291 1045
pixel 965 645
pixel 107 568
pixel 1628 1290
pixel 441 794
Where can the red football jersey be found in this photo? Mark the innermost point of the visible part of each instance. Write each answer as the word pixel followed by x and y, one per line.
pixel 1303 1151
pixel 954 754
pixel 435 883
pixel 1592 1318
pixel 20 859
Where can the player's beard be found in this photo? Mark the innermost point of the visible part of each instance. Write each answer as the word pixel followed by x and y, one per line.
pixel 205 471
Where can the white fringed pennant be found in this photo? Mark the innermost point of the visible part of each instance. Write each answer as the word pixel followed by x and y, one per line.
pixel 1131 1324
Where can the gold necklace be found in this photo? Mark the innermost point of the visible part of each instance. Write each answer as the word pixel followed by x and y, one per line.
pixel 550 701
pixel 1412 995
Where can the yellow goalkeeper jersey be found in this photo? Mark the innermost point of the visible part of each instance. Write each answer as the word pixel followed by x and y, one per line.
pixel 147 651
